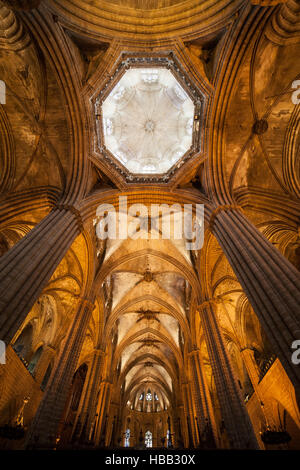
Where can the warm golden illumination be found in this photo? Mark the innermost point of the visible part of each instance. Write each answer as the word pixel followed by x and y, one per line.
pixel 140 338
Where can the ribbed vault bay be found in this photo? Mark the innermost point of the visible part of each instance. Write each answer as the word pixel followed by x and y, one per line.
pixel 165 19
pixel 148 120
pixel 141 341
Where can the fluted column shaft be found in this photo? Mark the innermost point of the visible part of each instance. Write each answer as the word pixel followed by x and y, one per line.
pixel 234 413
pixel 27 267
pixel 201 394
pixel 106 434
pixel 183 426
pixel 252 369
pixel 44 427
pixel 87 408
pixel 253 372
pixel 192 413
pixel 189 415
pixel 112 425
pixel 102 411
pixel 270 281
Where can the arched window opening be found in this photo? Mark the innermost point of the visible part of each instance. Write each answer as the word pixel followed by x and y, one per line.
pixel 2 92
pixel 148 439
pixel 35 359
pixel 127 438
pixel 23 344
pixel 169 439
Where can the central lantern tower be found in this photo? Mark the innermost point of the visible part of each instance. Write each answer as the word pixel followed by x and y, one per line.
pixel 149 119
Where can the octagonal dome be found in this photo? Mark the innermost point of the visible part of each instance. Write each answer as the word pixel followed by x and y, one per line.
pixel 147 120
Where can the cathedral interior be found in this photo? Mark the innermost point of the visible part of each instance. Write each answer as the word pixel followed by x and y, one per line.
pixel 142 342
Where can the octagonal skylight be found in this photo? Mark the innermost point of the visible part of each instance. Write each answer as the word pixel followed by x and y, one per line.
pixel 147 120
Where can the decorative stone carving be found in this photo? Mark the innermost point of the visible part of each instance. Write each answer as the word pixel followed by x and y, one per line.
pixel 260 127
pixel 148 119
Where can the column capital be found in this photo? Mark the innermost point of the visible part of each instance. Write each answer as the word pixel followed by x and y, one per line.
pixel 14 37
pixel 207 303
pixel 246 348
pixel 74 211
pixel 217 210
pixel 194 352
pixel 85 302
pixel 99 352
pixel 106 381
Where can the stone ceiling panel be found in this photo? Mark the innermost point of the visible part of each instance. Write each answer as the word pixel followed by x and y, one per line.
pixel 148 120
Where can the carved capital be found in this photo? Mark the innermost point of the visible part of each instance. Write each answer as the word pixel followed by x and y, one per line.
pixel 85 302
pixel 215 213
pixel 13 36
pixel 206 303
pixel 74 211
pixel 88 303
pixel 284 28
pixel 99 352
pixel 194 352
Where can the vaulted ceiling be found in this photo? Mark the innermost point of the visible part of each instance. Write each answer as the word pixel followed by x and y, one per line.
pixel 148 291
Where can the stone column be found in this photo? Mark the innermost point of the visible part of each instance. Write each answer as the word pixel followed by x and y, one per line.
pixel 42 433
pixel 253 372
pixel 102 411
pixel 270 281
pixel 27 267
pixel 118 430
pixel 189 415
pixel 193 414
pixel 252 368
pixel 234 413
pixel 112 423
pixel 183 426
pixel 201 397
pixel 88 405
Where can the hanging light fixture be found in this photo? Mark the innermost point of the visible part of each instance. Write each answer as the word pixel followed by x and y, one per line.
pixel 275 436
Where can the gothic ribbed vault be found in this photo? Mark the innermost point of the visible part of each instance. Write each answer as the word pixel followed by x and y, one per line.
pixel 155 102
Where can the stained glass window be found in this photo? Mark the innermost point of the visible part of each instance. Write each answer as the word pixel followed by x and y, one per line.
pixel 148 439
pixel 127 438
